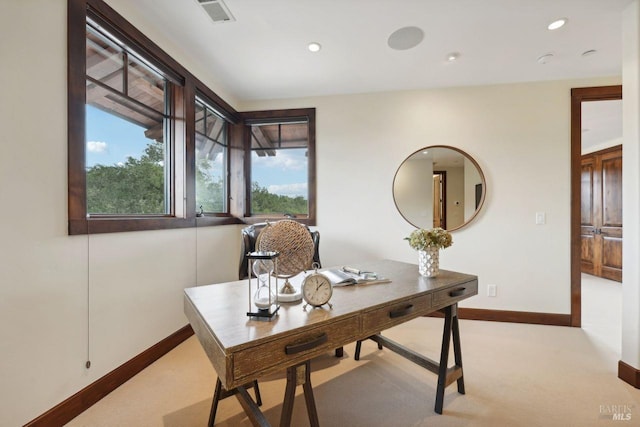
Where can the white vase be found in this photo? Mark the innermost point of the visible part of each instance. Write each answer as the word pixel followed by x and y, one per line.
pixel 429 262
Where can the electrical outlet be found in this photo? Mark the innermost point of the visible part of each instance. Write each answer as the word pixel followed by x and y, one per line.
pixel 492 290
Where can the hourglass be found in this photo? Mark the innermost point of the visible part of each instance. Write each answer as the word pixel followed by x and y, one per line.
pixel 264 267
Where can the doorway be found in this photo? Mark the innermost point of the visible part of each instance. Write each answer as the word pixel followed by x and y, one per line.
pixel 578 97
pixel 440 199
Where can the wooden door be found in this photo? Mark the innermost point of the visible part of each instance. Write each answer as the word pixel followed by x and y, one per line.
pixel 601 213
pixel 439 197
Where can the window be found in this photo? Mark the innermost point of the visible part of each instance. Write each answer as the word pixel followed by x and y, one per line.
pixel 128 167
pixel 282 157
pixel 211 159
pixel 150 145
pixel 134 142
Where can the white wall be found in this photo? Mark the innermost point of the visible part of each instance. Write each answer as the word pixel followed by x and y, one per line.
pixel 631 185
pixel 130 282
pixel 520 136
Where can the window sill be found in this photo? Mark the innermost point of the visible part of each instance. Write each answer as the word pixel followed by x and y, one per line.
pixel 212 220
pixel 255 219
pixel 118 225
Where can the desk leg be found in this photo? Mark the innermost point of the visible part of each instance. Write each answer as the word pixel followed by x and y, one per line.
pixel 254 413
pixel 359 346
pixel 247 403
pixel 217 396
pixel 447 375
pixel 299 375
pixel 457 351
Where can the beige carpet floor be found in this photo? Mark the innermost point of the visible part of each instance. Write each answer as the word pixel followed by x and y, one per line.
pixel 515 375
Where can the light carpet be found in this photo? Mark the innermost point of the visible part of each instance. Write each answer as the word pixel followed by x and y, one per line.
pixel 515 375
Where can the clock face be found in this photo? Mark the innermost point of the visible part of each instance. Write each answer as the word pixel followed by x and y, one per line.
pixel 316 290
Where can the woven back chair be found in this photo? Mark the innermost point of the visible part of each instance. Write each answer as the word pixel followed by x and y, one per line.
pixel 249 243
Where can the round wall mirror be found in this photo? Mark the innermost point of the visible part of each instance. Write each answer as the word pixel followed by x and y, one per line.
pixel 439 186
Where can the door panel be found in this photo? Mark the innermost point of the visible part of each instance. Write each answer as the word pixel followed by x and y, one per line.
pixel 612 190
pixel 611 229
pixel 612 258
pixel 601 214
pixel 587 228
pixel 586 194
pixel 587 253
pixel 612 253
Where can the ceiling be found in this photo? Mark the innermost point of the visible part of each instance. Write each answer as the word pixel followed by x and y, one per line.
pixel 601 124
pixel 263 53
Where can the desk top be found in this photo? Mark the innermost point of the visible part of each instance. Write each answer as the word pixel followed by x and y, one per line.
pixel 222 308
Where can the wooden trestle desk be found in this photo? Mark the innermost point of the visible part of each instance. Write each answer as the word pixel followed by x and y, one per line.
pixel 242 349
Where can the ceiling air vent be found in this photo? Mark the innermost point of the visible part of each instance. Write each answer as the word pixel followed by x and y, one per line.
pixel 217 11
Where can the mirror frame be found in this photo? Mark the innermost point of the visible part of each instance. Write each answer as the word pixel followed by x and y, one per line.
pixel 467 156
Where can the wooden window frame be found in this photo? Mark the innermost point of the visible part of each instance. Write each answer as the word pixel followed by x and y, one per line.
pixel 285 115
pixel 183 210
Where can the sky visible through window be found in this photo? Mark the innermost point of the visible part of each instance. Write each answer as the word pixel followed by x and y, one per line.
pixel 111 140
pixel 284 174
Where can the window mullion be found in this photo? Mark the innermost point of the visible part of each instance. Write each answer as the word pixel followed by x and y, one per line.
pixel 125 73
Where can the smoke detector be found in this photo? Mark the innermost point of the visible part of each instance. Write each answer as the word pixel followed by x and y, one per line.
pixel 217 11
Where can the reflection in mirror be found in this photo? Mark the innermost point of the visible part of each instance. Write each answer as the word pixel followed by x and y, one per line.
pixel 439 186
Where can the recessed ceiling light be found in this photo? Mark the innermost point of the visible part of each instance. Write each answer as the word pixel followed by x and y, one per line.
pixel 453 56
pixel 557 24
pixel 314 47
pixel 589 52
pixel 545 58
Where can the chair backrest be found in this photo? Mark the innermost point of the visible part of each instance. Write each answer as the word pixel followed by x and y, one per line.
pixel 249 235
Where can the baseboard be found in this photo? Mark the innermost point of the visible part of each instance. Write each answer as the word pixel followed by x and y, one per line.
pixel 629 374
pixel 512 316
pixel 85 398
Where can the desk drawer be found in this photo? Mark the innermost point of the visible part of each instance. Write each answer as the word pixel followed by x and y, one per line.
pixel 287 351
pixel 456 293
pixel 385 317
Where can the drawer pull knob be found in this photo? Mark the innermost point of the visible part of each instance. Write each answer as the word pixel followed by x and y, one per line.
pixel 307 345
pixel 401 311
pixel 457 292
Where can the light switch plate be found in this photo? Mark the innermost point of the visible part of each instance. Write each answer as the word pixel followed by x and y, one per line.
pixel 492 290
pixel 540 218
